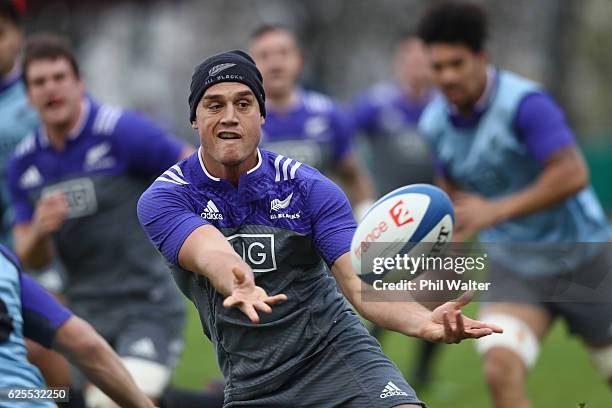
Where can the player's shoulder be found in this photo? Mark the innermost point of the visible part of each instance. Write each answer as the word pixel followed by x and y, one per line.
pixel 286 169
pixel 10 256
pixel 434 116
pixel 381 94
pixel 26 147
pixel 105 118
pixel 317 103
pixel 512 79
pixel 178 175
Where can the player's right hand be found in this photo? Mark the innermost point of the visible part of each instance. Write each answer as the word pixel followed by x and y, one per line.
pixel 250 298
pixel 50 213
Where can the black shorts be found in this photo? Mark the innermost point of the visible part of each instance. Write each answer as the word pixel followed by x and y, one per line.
pixel 350 372
pixel 580 296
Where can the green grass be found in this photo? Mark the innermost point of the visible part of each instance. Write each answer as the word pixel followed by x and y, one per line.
pixel 563 376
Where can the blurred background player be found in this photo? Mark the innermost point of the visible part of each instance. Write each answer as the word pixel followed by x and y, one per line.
pixel 511 164
pixel 387 115
pixel 27 310
pixel 74 185
pixel 305 125
pixel 17 118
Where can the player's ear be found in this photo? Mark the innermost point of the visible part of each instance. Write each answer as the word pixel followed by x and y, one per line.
pixel 194 125
pixel 263 120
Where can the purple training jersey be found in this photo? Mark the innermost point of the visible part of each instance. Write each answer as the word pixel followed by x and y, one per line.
pixel 108 161
pixel 314 131
pixel 388 117
pixel 288 222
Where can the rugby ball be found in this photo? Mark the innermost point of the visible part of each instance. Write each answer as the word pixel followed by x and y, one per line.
pixel 416 220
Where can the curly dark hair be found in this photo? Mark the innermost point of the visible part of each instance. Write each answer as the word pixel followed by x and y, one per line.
pixel 454 22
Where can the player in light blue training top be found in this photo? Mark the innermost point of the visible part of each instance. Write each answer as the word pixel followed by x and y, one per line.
pixel 247 230
pixel 27 310
pixel 507 157
pixel 306 125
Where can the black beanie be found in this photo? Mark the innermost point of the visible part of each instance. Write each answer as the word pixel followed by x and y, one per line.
pixel 230 66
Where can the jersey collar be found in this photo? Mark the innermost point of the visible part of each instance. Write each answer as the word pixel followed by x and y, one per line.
pixel 250 185
pixel 481 105
pixel 217 179
pixel 76 131
pixel 10 79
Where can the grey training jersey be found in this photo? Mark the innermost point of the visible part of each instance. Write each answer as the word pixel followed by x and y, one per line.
pixel 103 169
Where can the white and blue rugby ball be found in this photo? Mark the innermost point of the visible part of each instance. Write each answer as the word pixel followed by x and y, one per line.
pixel 417 217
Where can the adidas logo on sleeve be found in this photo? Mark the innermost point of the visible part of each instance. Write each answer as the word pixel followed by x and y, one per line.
pixel 211 212
pixel 391 390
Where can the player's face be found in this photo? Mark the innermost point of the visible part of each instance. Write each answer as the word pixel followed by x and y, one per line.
pixel 278 57
pixel 412 65
pixel 54 90
pixel 229 123
pixel 10 41
pixel 459 72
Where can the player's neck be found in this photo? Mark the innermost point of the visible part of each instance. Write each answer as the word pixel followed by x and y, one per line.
pixel 227 172
pixel 417 91
pixel 282 102
pixel 482 94
pixel 59 133
pixel 10 74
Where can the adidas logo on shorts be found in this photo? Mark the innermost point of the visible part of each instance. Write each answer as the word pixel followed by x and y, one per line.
pixel 211 212
pixel 392 390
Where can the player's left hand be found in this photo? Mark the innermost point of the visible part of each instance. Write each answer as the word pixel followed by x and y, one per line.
pixel 448 325
pixel 250 298
pixel 472 214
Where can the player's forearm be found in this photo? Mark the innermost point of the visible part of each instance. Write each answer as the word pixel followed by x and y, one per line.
pixel 33 249
pixel 558 181
pixel 403 317
pixel 217 265
pixel 207 252
pixel 445 184
pixel 101 365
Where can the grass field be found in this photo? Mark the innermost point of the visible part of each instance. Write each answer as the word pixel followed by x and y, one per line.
pixel 562 378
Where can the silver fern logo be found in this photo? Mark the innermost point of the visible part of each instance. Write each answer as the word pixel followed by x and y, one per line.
pixel 221 67
pixel 277 204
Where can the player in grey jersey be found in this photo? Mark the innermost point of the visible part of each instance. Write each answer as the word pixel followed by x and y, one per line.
pixel 74 184
pixel 245 229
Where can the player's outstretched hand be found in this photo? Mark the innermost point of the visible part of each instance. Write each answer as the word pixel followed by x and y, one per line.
pixel 448 325
pixel 250 298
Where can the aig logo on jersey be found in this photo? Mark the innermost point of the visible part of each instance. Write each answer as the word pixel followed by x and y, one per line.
pixel 255 249
pixel 80 194
pixel 211 212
